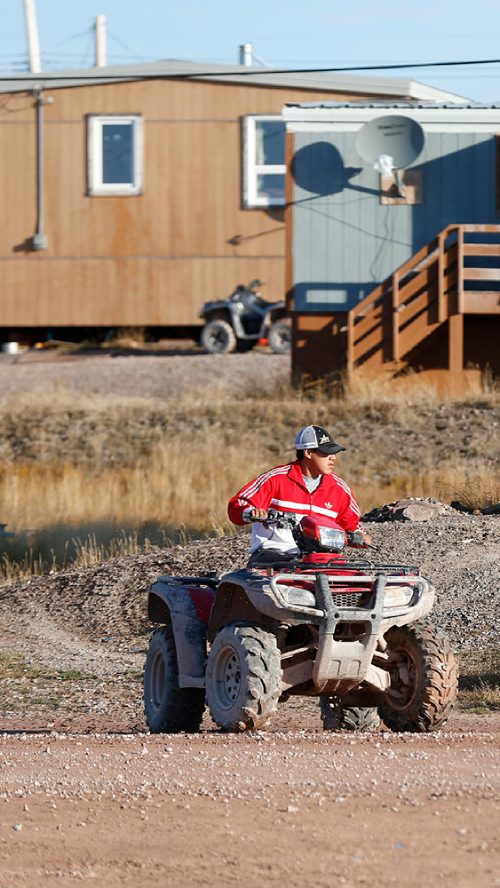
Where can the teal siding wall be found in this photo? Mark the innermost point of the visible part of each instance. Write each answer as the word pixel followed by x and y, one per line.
pixel 345 241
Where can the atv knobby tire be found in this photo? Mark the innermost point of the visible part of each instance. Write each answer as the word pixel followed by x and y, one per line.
pixel 335 716
pixel 280 337
pixel 243 677
pixel 218 338
pixel 169 709
pixel 424 679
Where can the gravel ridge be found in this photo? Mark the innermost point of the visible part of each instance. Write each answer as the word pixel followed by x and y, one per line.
pixel 458 553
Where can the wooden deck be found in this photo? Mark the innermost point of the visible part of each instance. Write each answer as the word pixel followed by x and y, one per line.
pixel 455 275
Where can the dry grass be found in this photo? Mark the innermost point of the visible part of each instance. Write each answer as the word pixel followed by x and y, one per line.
pixel 474 488
pixel 174 486
pixel 480 491
pixel 77 552
pixel 178 488
pixel 481 697
pixel 412 389
pixel 479 681
pixel 67 461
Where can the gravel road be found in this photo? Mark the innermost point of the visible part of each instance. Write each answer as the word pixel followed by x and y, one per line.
pixel 156 375
pixel 292 808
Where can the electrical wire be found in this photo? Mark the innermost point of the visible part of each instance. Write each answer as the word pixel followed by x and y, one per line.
pixel 125 46
pixel 242 71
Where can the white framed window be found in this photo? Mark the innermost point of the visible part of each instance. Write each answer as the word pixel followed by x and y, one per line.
pixel 264 165
pixel 115 155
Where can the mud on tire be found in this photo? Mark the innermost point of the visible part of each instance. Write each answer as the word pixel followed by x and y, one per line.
pixel 335 716
pixel 424 679
pixel 168 708
pixel 243 677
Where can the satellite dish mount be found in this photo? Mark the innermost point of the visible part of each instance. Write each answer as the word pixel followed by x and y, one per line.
pixel 390 144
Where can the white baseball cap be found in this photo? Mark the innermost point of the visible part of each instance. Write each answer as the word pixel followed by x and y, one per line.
pixel 313 437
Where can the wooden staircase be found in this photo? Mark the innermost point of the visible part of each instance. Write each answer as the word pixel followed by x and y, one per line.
pixel 452 276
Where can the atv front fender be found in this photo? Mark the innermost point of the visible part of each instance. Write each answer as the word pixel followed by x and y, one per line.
pixel 185 603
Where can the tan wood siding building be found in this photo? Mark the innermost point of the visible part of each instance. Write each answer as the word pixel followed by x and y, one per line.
pixel 153 258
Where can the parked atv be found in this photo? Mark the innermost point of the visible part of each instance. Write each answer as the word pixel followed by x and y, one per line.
pixel 354 633
pixel 239 322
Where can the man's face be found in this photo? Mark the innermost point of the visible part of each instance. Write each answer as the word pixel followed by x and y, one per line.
pixel 320 463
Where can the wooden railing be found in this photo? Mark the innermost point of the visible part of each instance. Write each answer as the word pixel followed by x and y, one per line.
pixel 423 293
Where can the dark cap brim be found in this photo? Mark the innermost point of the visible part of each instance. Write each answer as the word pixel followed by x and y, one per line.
pixel 331 448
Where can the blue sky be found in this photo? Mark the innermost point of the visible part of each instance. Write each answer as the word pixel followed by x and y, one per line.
pixel 295 33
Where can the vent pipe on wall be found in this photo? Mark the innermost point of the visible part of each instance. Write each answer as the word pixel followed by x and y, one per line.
pixel 39 239
pixel 246 54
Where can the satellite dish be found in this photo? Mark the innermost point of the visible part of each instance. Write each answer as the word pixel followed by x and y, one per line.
pixel 394 137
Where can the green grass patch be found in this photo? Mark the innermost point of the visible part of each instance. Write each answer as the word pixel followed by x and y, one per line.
pixel 14 666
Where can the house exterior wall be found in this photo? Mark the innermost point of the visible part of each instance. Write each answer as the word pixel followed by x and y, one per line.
pixel 150 259
pixel 344 240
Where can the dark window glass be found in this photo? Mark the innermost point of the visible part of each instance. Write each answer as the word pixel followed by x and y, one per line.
pixel 270 142
pixel 117 153
pixel 271 185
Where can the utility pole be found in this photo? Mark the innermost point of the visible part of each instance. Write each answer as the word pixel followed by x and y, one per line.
pixel 100 41
pixel 32 35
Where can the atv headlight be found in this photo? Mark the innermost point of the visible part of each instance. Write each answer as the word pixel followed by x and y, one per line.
pixel 297 596
pixel 398 596
pixel 331 538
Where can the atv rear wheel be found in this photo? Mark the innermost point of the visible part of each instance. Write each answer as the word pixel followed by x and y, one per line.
pixel 335 716
pixel 169 709
pixel 424 679
pixel 243 677
pixel 280 337
pixel 218 338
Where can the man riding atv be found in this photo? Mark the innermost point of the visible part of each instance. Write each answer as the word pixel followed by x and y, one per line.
pixel 308 485
pixel 301 619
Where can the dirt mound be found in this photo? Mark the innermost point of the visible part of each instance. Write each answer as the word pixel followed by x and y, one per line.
pixel 458 553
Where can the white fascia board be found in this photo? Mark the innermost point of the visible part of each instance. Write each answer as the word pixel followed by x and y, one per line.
pixel 426 93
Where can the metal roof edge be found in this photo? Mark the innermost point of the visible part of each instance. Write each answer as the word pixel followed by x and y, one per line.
pixel 313 80
pixel 349 115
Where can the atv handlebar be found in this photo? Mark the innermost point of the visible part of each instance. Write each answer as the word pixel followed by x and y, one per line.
pixel 289 521
pixel 281 519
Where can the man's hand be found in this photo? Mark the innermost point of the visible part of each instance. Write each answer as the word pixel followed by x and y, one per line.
pixel 252 514
pixel 258 514
pixel 359 539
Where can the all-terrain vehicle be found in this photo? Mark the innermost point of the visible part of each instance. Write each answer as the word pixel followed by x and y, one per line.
pixel 354 633
pixel 242 320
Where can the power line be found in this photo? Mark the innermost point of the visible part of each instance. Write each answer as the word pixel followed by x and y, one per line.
pixel 242 71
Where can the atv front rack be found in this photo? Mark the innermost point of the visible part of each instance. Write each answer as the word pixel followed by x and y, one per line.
pixel 347 566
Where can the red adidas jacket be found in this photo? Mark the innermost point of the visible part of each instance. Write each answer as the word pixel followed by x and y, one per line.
pixel 283 488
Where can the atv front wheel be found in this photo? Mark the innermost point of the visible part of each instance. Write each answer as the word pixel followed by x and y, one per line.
pixel 243 677
pixel 335 716
pixel 169 709
pixel 218 338
pixel 424 679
